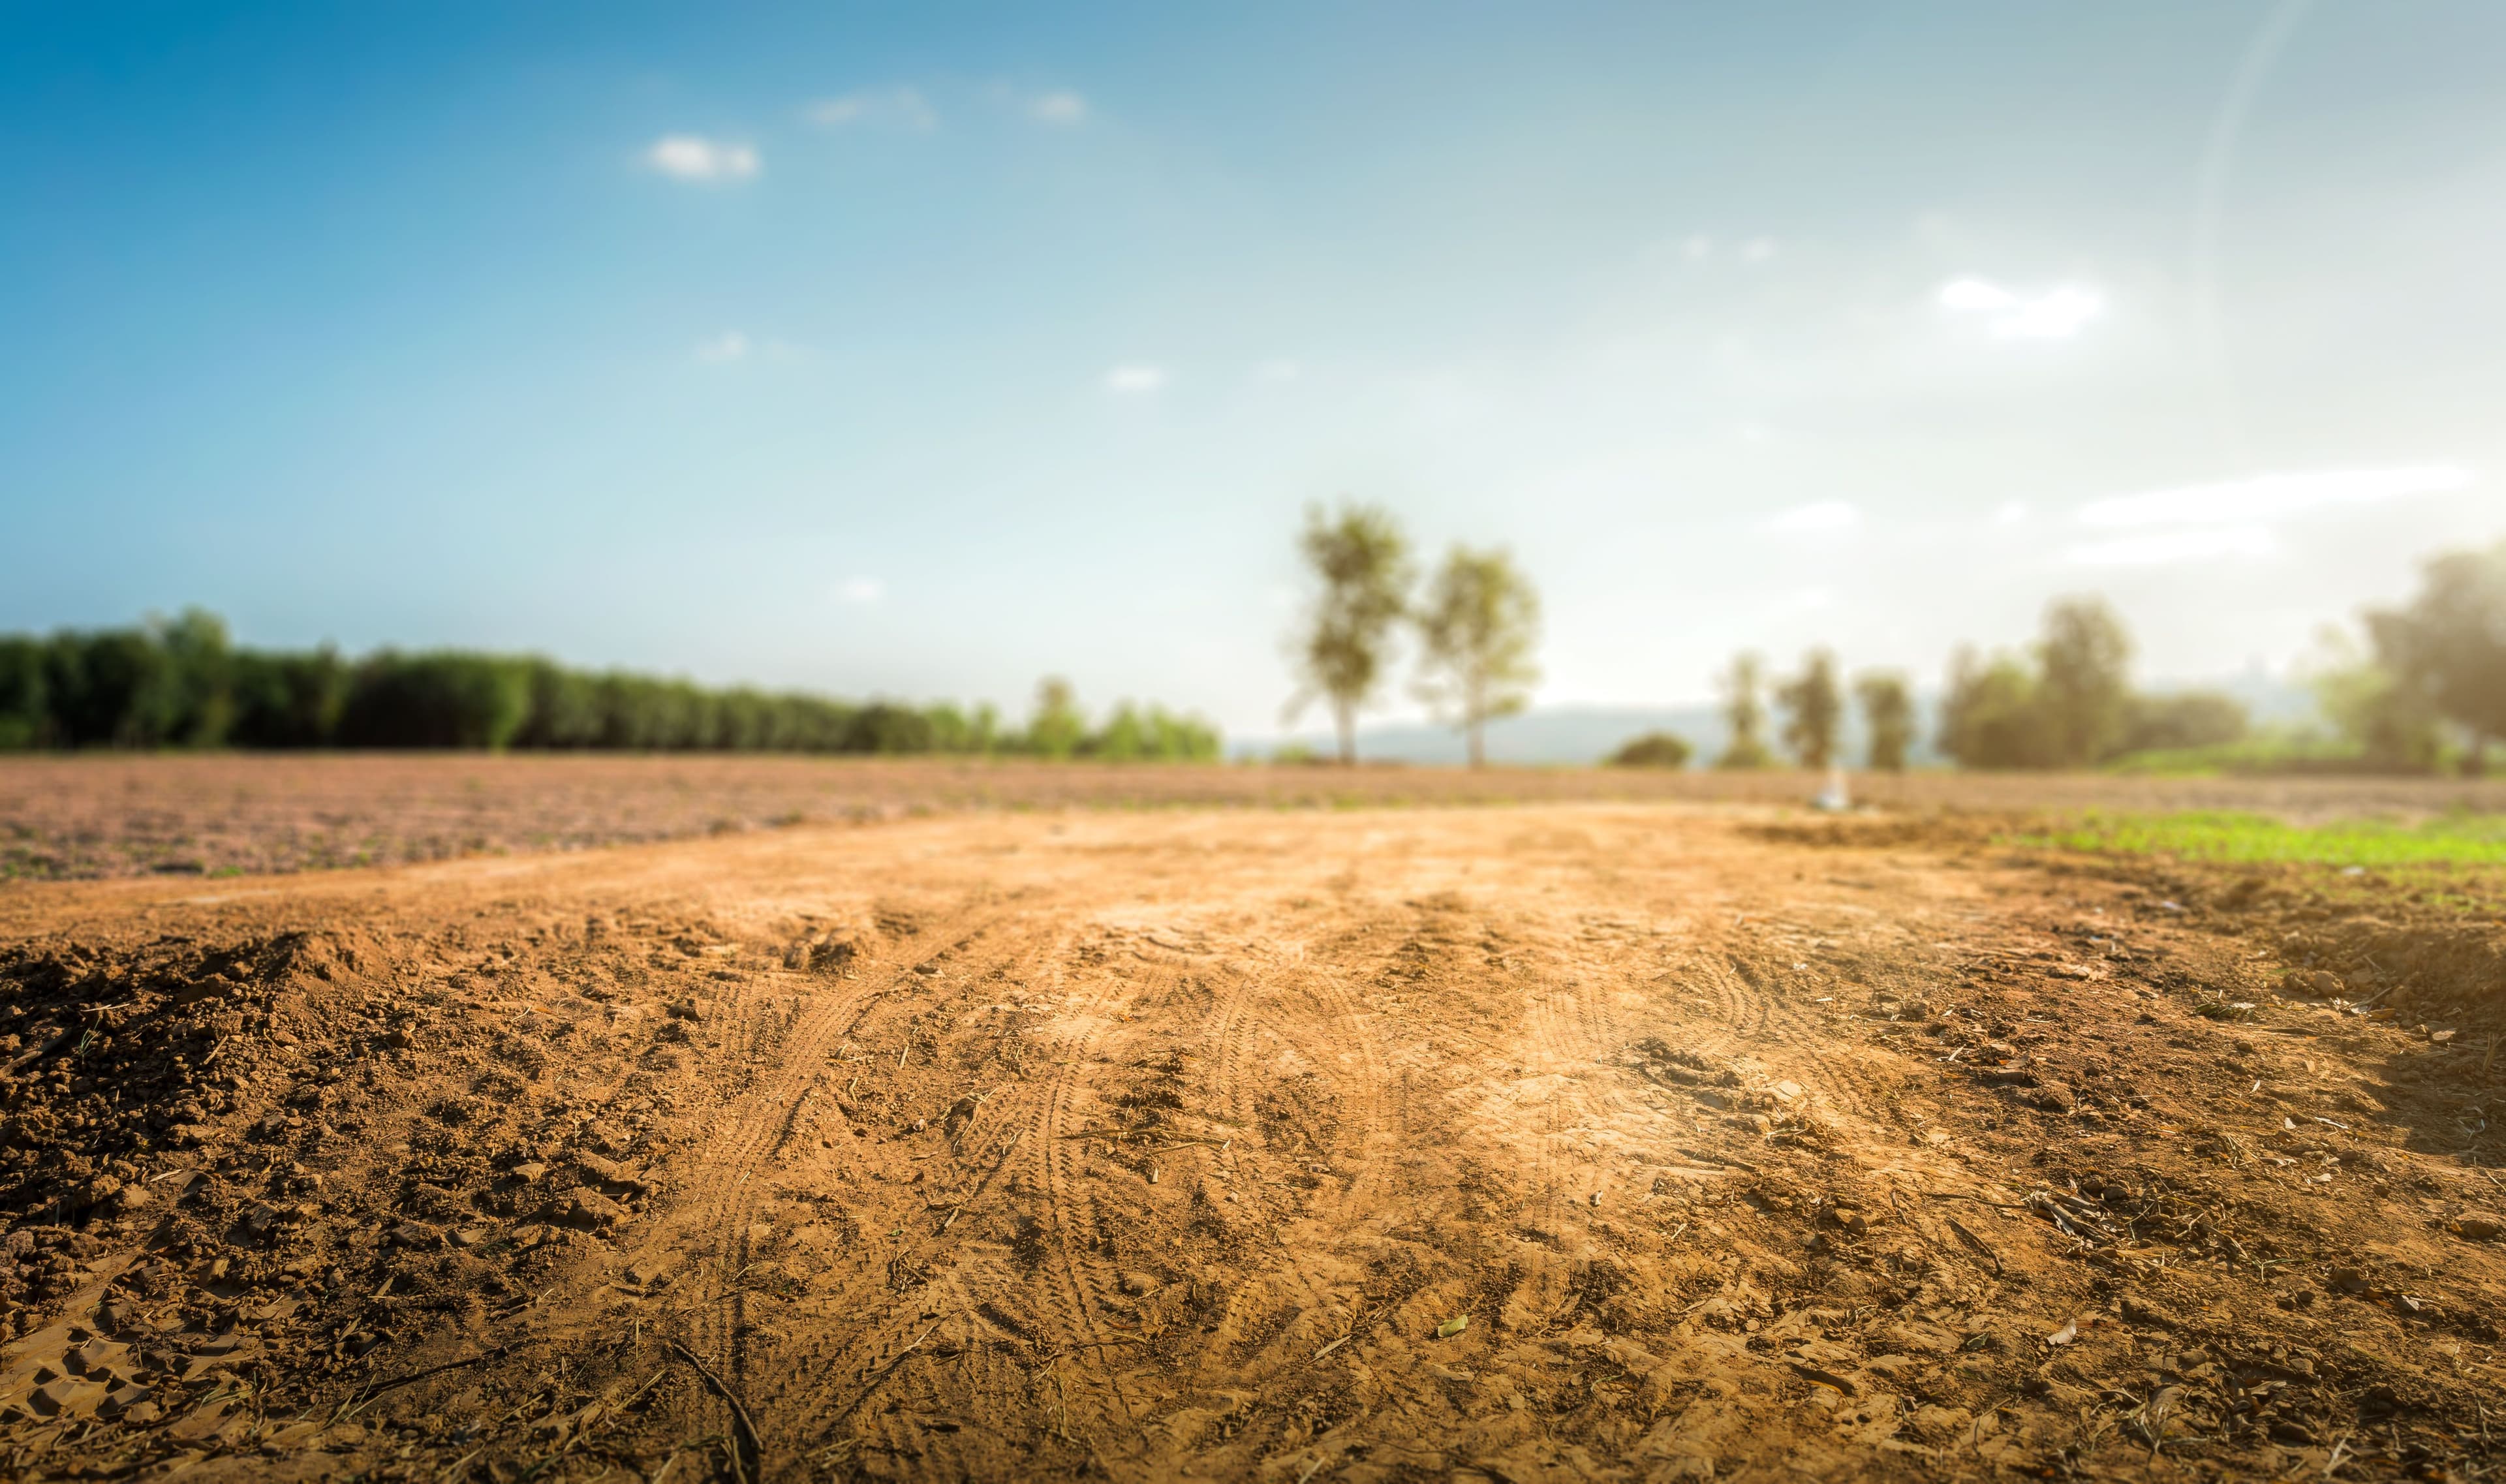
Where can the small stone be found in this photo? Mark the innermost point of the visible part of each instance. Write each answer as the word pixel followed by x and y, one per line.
pixel 411 1234
pixel 1141 1285
pixel 2349 1280
pixel 588 1208
pixel 530 1171
pixel 2479 1227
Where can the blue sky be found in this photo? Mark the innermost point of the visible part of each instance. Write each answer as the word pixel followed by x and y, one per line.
pixel 925 349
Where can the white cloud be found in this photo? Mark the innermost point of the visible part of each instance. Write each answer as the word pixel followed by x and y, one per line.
pixel 1698 247
pixel 860 591
pixel 1279 367
pixel 1060 106
pixel 1757 250
pixel 2011 513
pixel 727 346
pixel 2269 496
pixel 877 107
pixel 2058 314
pixel 2166 548
pixel 691 157
pixel 1135 379
pixel 1824 515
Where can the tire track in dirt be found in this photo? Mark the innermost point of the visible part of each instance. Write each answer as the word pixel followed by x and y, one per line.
pixel 728 1169
pixel 979 1304
pixel 874 1318
pixel 1083 1279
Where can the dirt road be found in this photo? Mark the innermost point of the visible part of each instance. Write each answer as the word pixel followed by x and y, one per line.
pixel 1591 1142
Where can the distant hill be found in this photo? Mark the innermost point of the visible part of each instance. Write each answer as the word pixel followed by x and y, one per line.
pixel 1582 735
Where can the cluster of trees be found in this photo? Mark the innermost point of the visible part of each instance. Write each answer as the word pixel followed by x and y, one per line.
pixel 1476 623
pixel 183 685
pixel 2429 687
pixel 2069 703
pixel 1813 707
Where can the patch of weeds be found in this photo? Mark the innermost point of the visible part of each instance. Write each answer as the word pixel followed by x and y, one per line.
pixel 2460 838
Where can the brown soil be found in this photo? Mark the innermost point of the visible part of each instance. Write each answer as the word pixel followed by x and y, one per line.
pixel 1565 1142
pixel 192 815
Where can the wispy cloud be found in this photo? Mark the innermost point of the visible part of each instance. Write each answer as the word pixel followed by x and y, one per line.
pixel 2166 548
pixel 1823 515
pixel 860 591
pixel 1059 106
pixel 1135 377
pixel 2270 496
pixel 899 107
pixel 1279 367
pixel 2057 313
pixel 722 350
pixel 692 157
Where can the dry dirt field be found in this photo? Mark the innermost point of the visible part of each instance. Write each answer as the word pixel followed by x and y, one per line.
pixel 192 815
pixel 1560 1141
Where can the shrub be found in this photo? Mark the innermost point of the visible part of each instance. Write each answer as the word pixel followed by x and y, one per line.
pixel 1653 749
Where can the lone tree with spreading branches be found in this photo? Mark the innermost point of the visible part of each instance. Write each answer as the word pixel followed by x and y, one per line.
pixel 1813 711
pixel 1745 714
pixel 1343 646
pixel 1476 633
pixel 1888 713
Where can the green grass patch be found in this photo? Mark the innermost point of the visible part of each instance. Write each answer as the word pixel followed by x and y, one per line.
pixel 2451 839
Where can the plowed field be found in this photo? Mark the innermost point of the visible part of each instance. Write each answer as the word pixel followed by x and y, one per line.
pixel 1546 1143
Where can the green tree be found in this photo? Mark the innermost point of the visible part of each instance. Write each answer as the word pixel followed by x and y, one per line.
pixel 1344 647
pixel 25 709
pixel 1475 632
pixel 2390 720
pixel 1888 716
pixel 1653 749
pixel 445 698
pixel 200 670
pixel 1059 726
pixel 288 699
pixel 2084 688
pixel 1991 717
pixel 1745 714
pixel 1813 711
pixel 2449 640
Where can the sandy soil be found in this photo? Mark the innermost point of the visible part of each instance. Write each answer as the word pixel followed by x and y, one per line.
pixel 106 814
pixel 1563 1141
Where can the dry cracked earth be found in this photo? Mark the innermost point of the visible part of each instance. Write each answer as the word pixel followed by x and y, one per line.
pixel 1552 1143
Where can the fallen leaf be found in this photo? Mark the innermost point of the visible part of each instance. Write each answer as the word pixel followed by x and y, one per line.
pixel 1452 1326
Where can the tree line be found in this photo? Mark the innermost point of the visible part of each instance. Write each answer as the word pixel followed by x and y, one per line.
pixel 182 683
pixel 2428 689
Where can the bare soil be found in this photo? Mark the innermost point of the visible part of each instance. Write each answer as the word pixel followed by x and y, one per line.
pixel 109 815
pixel 1563 1141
